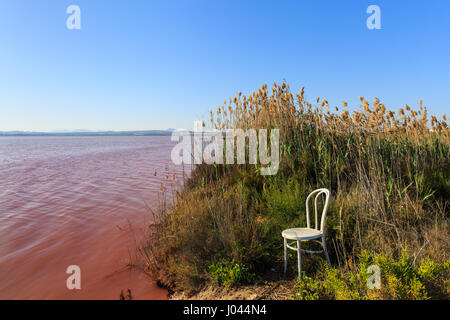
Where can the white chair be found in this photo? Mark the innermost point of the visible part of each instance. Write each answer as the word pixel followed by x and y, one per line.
pixel 305 234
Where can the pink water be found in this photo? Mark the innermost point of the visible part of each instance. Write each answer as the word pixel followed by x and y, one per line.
pixel 78 201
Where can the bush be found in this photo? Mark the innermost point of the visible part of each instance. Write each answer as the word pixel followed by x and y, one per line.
pixel 229 273
pixel 400 279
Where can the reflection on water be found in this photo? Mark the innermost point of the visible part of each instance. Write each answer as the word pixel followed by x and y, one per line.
pixel 73 201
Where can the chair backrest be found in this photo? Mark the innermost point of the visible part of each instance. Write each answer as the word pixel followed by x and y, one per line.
pixel 317 193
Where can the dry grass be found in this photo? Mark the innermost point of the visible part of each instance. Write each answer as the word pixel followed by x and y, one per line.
pixel 389 173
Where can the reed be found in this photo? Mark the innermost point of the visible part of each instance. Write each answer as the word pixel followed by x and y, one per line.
pixel 388 171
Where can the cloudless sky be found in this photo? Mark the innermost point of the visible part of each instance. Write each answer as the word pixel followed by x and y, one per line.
pixel 163 64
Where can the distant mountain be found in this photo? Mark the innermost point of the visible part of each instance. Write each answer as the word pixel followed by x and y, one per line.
pixel 82 132
pixel 72 131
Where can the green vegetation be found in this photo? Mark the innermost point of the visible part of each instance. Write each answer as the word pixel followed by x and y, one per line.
pixel 389 176
pixel 399 280
pixel 229 273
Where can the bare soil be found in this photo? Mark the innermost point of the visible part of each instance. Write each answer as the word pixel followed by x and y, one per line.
pixel 261 290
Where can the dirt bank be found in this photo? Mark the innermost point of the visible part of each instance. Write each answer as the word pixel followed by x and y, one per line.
pixel 265 290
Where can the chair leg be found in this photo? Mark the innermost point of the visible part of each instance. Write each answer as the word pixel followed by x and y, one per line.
pixel 299 254
pixel 325 250
pixel 285 255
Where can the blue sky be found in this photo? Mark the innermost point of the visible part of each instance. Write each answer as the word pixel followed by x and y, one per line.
pixel 159 64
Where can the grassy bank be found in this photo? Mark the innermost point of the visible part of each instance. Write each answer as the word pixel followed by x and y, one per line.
pixel 389 176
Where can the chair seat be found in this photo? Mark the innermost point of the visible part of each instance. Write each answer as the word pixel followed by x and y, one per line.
pixel 301 234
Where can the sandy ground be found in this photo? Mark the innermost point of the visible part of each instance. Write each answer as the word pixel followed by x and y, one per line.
pixel 262 290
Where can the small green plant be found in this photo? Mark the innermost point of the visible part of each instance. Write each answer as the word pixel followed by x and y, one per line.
pixel 229 273
pixel 306 288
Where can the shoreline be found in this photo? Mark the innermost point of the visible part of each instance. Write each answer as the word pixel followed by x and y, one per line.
pixel 262 290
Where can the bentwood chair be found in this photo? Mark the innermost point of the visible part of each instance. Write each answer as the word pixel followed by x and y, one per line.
pixel 297 235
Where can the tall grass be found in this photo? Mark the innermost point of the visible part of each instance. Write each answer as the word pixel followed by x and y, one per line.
pixel 388 172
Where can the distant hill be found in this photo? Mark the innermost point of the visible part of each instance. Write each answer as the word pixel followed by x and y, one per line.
pixel 72 131
pixel 81 132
